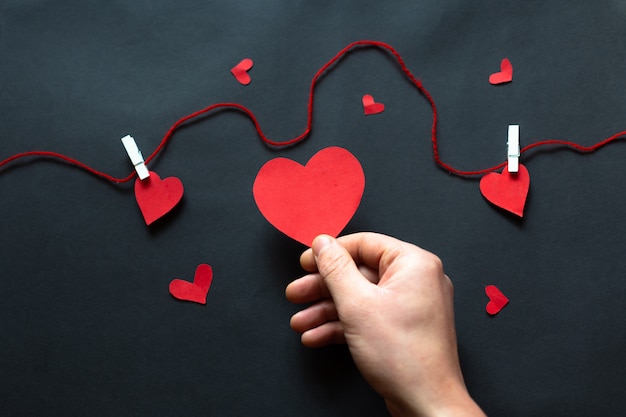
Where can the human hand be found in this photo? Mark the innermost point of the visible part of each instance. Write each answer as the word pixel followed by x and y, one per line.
pixel 392 304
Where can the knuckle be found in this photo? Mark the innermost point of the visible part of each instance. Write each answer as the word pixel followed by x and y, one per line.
pixel 430 267
pixel 427 261
pixel 434 264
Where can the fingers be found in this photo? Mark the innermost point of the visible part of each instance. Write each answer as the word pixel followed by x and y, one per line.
pixel 327 334
pixel 342 272
pixel 336 260
pixel 312 288
pixel 337 275
pixel 364 247
pixel 336 265
pixel 374 250
pixel 314 316
pixel 307 289
pixel 307 261
pixel 319 325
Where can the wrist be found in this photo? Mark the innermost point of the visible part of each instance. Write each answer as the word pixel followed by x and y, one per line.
pixel 456 402
pixel 462 407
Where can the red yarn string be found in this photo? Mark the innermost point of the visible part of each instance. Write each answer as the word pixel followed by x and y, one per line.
pixel 320 73
pixel 67 159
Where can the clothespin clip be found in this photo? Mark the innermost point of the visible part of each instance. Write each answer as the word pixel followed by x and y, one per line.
pixel 513 149
pixel 135 157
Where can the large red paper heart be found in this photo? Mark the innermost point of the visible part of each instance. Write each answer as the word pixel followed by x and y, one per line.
pixel 197 290
pixel 507 190
pixel 370 106
pixel 505 75
pixel 157 197
pixel 306 201
pixel 240 71
pixel 497 300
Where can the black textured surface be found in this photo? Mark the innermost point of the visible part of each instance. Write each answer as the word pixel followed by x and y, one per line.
pixel 88 326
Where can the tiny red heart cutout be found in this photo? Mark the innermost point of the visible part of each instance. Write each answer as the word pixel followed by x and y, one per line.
pixel 306 201
pixel 507 190
pixel 240 71
pixel 370 106
pixel 497 300
pixel 157 197
pixel 505 75
pixel 197 290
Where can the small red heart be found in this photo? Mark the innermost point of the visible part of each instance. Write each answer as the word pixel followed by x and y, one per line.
pixel 240 71
pixel 370 106
pixel 157 197
pixel 305 201
pixel 505 75
pixel 507 190
pixel 197 290
pixel 497 300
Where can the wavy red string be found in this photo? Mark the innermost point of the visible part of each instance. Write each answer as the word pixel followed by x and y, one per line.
pixel 320 73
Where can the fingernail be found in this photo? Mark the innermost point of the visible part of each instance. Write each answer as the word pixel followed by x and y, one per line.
pixel 319 243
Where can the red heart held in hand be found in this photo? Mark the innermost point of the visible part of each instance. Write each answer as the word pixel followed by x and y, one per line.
pixel 197 290
pixel 306 201
pixel 497 300
pixel 507 190
pixel 157 197
pixel 240 71
pixel 505 75
pixel 370 106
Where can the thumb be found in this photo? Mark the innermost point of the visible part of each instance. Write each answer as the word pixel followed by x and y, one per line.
pixel 336 266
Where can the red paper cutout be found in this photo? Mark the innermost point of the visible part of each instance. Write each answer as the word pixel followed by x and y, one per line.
pixel 240 71
pixel 157 197
pixel 197 290
pixel 370 106
pixel 507 190
pixel 505 75
pixel 305 201
pixel 497 300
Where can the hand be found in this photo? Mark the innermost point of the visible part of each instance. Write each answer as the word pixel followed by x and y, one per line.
pixel 392 304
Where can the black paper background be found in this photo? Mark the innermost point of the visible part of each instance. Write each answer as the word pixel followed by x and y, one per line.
pixel 87 324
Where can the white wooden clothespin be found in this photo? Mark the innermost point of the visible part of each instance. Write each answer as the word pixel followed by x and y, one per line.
pixel 513 149
pixel 135 157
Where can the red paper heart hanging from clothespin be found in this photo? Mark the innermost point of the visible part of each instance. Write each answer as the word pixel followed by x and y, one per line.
pixel 306 201
pixel 156 197
pixel 507 190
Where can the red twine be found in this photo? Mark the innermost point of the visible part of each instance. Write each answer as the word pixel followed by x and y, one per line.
pixel 307 130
